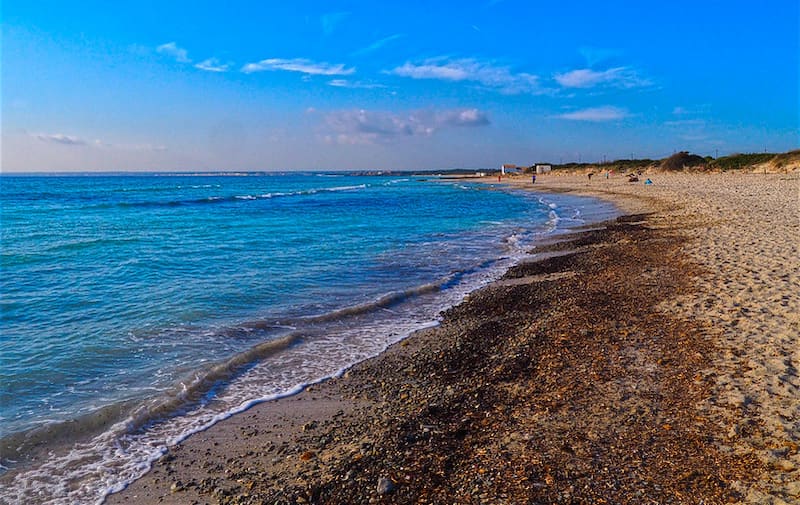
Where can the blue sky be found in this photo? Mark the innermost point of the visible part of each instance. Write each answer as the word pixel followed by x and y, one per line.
pixel 409 85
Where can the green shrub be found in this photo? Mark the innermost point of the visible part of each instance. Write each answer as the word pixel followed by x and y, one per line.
pixel 681 160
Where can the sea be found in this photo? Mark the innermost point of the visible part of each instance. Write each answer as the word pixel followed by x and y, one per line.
pixel 136 310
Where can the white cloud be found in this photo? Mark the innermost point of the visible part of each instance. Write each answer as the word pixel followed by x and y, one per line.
pixel 471 70
pixel 344 83
pixel 596 114
pixel 619 77
pixel 213 65
pixel 60 138
pixel 462 117
pixel 302 65
pixel 366 127
pixel 171 49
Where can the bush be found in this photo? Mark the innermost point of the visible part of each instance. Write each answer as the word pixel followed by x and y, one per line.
pixel 681 160
pixel 740 161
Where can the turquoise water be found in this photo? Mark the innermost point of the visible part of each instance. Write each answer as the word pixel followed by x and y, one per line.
pixel 139 309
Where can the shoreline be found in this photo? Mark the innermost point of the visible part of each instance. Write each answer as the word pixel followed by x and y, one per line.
pixel 290 459
pixel 46 464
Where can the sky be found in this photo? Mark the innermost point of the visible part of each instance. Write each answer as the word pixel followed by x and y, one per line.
pixel 336 85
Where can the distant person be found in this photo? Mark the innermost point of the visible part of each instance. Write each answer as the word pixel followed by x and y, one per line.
pixel 607 174
pixel 590 174
pixel 648 182
pixel 533 179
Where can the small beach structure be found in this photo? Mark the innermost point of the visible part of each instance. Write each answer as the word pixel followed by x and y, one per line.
pixel 543 169
pixel 508 168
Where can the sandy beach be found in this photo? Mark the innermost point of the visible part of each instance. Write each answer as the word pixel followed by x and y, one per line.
pixel 744 229
pixel 648 360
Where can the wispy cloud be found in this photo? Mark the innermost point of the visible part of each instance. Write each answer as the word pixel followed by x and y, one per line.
pixel 693 137
pixel 596 114
pixel 701 109
pixel 60 138
pixel 331 20
pixel 686 123
pixel 595 55
pixel 619 77
pixel 301 65
pixel 377 44
pixel 461 117
pixel 492 76
pixel 367 127
pixel 172 49
pixel 213 65
pixel 71 140
pixel 691 122
pixel 344 83
pixel 132 147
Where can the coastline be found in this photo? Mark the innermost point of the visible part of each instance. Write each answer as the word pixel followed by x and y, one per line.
pixel 470 409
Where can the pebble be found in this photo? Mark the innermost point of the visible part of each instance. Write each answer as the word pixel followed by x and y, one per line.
pixel 385 486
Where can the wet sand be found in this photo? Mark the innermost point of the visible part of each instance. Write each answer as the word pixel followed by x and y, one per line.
pixel 652 360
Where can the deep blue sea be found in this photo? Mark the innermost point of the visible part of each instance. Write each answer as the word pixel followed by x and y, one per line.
pixel 137 310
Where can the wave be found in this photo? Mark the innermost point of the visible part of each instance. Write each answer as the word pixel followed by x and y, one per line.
pixel 89 243
pixel 187 394
pixel 390 299
pixel 32 257
pixel 234 198
pixel 116 445
pixel 26 445
pixel 155 189
pixel 382 302
pixel 201 387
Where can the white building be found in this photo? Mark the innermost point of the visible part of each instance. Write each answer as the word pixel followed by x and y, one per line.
pixel 543 169
pixel 507 168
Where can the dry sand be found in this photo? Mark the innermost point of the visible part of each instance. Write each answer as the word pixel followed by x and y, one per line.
pixel 679 386
pixel 745 229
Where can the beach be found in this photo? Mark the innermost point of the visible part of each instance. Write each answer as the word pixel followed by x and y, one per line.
pixel 652 359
